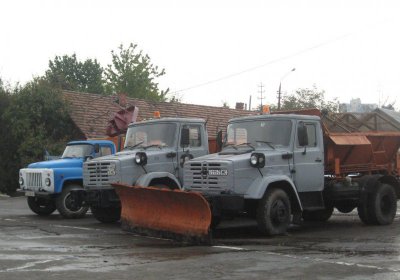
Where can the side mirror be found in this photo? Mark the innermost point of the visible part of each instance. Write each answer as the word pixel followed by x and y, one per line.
pixel 219 140
pixel 302 134
pixel 185 137
pixel 96 148
pixel 86 158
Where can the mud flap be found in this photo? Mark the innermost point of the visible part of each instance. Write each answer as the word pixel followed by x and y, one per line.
pixel 173 214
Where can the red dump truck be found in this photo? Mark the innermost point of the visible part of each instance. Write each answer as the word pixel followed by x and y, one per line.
pixel 277 168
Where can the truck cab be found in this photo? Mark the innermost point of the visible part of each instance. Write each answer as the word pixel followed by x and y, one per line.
pixel 48 184
pixel 153 155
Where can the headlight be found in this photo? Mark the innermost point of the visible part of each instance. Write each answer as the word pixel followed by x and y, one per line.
pixel 21 181
pixel 111 169
pixel 47 182
pixel 141 158
pixel 257 160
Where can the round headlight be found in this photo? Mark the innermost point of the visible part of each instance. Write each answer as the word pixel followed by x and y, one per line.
pixel 47 182
pixel 21 181
pixel 141 158
pixel 257 160
pixel 253 160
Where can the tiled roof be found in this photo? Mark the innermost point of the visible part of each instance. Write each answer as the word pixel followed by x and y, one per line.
pixel 91 112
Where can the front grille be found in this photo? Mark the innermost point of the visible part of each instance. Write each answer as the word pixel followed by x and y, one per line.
pixel 34 179
pixel 95 174
pixel 197 176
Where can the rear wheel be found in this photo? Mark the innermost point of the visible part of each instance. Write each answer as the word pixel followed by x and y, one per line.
pixel 106 214
pixel 383 205
pixel 318 215
pixel 274 212
pixel 41 206
pixel 67 206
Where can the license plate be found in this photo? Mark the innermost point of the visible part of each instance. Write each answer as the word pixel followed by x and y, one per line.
pixel 29 193
pixel 217 172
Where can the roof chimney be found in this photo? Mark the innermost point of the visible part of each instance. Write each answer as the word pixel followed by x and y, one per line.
pixel 239 106
pixel 122 99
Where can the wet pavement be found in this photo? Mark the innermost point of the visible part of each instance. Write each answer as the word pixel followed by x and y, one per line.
pixel 33 247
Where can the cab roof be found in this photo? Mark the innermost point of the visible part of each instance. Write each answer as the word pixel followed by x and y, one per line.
pixel 170 120
pixel 276 117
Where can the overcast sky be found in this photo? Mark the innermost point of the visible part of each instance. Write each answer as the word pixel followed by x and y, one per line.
pixel 215 51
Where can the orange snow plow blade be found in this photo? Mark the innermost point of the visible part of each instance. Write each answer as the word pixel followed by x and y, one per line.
pixel 173 214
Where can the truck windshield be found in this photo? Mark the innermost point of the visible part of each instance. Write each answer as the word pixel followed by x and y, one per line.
pixel 73 151
pixel 260 133
pixel 151 135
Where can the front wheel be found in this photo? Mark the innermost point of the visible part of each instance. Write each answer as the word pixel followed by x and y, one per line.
pixel 274 212
pixel 67 206
pixel 41 206
pixel 106 214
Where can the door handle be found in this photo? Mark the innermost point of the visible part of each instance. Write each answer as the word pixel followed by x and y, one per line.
pixel 318 160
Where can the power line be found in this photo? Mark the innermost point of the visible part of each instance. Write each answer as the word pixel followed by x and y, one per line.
pixel 273 61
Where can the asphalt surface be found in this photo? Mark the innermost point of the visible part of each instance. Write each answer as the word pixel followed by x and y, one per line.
pixel 33 247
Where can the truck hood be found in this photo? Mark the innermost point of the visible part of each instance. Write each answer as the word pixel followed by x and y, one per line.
pixel 240 157
pixel 131 154
pixel 58 163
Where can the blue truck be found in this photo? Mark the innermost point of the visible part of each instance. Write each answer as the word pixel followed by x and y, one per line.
pixel 47 184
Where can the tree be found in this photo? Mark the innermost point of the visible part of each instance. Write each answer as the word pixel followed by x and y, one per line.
pixel 68 73
pixel 36 119
pixel 8 147
pixel 309 98
pixel 131 72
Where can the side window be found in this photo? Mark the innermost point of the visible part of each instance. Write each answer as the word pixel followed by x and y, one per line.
pixel 105 151
pixel 194 135
pixel 311 135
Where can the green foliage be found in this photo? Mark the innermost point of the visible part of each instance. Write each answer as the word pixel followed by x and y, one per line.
pixel 308 98
pixel 68 73
pixel 8 166
pixel 131 72
pixel 35 118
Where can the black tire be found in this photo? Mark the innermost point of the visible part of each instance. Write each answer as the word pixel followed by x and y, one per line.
pixel 106 215
pixel 215 221
pixel 67 206
pixel 274 212
pixel 343 208
pixel 318 215
pixel 382 205
pixel 363 214
pixel 41 206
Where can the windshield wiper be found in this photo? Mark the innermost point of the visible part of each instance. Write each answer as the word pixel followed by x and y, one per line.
pixel 248 144
pixel 266 142
pixel 230 145
pixel 153 145
pixel 133 146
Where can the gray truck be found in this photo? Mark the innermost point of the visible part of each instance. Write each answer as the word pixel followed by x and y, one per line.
pixel 153 154
pixel 277 168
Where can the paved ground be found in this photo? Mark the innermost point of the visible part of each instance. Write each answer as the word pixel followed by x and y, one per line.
pixel 32 247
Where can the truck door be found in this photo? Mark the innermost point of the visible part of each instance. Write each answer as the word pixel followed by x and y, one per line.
pixel 309 159
pixel 198 144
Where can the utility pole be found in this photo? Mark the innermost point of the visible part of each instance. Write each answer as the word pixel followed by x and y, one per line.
pixel 261 91
pixel 280 86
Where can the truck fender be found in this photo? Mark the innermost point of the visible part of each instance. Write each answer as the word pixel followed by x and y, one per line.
pixel 62 183
pixel 160 177
pixel 261 185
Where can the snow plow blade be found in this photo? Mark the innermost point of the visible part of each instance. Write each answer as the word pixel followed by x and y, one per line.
pixel 172 214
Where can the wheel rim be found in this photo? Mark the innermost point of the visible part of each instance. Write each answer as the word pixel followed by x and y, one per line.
pixel 278 212
pixel 70 204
